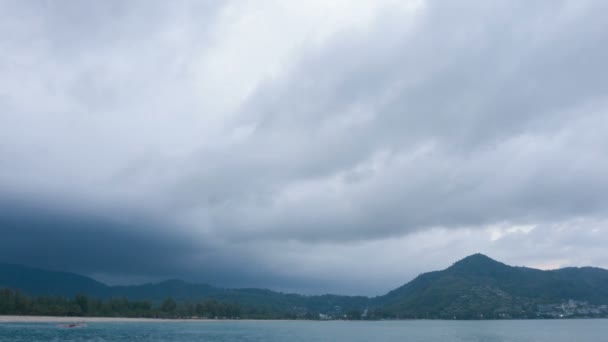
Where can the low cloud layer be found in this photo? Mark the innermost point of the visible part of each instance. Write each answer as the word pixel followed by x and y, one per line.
pixel 310 147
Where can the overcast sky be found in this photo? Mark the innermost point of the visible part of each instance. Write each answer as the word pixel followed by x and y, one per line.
pixel 308 146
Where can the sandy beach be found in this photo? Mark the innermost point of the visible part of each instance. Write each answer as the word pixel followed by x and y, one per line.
pixel 57 319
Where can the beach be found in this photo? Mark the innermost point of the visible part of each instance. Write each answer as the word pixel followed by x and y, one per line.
pixel 72 319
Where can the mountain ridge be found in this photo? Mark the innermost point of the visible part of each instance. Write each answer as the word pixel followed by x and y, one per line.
pixel 475 286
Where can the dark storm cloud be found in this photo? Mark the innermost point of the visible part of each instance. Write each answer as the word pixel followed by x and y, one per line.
pixel 50 236
pixel 124 247
pixel 297 142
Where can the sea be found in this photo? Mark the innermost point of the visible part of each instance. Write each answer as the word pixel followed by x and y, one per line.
pixel 583 330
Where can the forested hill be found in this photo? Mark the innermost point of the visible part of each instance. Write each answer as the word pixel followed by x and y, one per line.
pixel 474 287
pixel 35 282
pixel 478 286
pixel 38 282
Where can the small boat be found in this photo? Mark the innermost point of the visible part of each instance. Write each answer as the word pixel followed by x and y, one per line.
pixel 71 325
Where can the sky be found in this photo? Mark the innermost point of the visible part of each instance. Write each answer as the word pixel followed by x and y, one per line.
pixel 302 146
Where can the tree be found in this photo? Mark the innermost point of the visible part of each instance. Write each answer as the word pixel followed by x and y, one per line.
pixel 83 302
pixel 21 303
pixel 6 301
pixel 354 314
pixel 168 305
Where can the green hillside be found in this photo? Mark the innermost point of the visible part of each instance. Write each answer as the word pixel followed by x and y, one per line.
pixel 473 288
pixel 260 303
pixel 480 287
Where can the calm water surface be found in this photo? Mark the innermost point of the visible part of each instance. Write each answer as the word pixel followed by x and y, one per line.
pixel 275 331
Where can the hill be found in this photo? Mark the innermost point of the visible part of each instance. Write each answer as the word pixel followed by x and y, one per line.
pixel 472 288
pixel 35 281
pixel 478 286
pixel 258 302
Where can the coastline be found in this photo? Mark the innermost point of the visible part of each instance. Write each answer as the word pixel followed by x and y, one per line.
pixel 74 319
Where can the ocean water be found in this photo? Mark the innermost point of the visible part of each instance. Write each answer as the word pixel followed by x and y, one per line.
pixel 300 331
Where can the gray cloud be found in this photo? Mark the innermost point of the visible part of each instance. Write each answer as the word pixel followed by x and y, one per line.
pixel 275 135
pixel 467 126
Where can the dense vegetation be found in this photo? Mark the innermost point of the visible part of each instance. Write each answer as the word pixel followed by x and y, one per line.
pixel 480 287
pixel 16 303
pixel 475 287
pixel 254 303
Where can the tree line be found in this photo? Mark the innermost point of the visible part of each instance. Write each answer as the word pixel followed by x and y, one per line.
pixel 13 302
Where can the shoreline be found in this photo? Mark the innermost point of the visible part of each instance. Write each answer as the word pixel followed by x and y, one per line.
pixel 75 319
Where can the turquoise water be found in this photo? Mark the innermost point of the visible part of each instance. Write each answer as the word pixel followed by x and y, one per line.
pixel 275 331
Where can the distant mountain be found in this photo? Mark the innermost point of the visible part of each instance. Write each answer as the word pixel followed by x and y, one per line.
pixel 478 286
pixel 177 289
pixel 474 287
pixel 38 282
